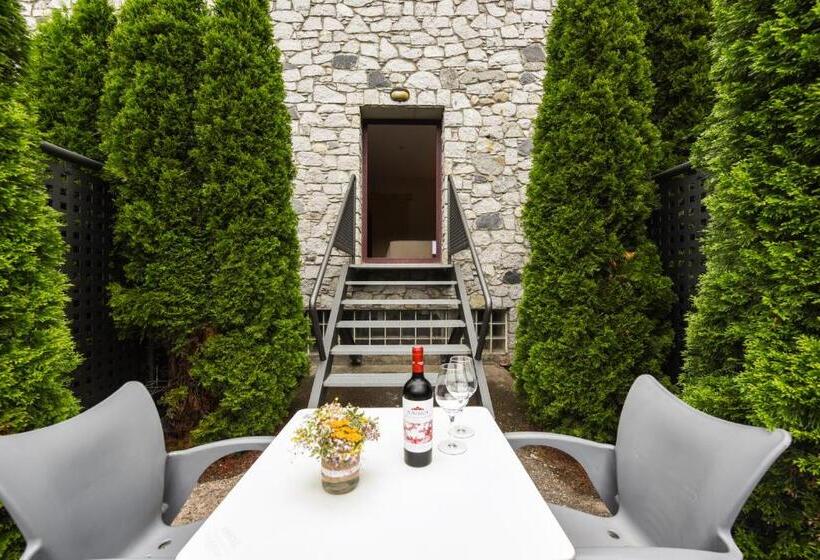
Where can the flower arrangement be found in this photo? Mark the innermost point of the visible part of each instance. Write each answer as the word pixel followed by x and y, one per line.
pixel 335 433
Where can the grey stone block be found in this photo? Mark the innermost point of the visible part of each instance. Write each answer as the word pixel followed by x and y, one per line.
pixel 345 61
pixel 528 78
pixel 376 79
pixel 511 277
pixel 525 147
pixel 490 221
pixel 533 53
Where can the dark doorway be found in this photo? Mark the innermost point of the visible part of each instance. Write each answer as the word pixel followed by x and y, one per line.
pixel 402 195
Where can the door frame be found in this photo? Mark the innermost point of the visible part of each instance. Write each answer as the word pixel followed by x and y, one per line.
pixel 437 196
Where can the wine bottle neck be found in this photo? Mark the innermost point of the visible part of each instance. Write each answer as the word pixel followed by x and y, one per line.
pixel 418 361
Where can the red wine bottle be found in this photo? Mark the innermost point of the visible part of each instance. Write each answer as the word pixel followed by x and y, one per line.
pixel 417 404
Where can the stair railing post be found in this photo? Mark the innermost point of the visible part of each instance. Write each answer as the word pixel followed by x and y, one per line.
pixel 459 238
pixel 345 224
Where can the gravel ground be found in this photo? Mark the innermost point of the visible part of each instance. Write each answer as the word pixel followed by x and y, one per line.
pixel 558 477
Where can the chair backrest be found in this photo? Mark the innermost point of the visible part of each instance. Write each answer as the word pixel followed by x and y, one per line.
pixel 86 487
pixel 684 475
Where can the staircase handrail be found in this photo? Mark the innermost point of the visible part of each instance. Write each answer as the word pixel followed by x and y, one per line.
pixel 459 238
pixel 343 238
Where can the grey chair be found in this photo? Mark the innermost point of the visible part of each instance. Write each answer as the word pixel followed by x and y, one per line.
pixel 101 485
pixel 675 479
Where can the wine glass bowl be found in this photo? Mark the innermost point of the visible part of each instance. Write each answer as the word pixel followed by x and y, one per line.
pixel 450 403
pixel 462 385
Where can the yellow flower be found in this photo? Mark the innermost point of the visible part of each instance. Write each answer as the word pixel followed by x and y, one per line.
pixel 347 433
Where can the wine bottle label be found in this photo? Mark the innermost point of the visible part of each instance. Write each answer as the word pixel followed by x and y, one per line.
pixel 418 425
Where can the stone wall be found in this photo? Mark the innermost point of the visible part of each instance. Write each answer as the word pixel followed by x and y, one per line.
pixel 481 60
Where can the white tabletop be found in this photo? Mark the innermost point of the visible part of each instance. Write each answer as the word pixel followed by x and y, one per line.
pixel 479 505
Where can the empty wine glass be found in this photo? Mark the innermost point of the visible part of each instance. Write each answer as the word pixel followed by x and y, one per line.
pixel 463 386
pixel 451 404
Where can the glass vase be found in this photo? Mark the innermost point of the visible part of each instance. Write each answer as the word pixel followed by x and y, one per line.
pixel 340 477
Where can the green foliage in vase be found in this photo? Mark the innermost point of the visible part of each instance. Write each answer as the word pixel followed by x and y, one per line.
pixel 753 339
pixel 593 315
pixel 258 349
pixel 37 352
pixel 69 56
pixel 677 41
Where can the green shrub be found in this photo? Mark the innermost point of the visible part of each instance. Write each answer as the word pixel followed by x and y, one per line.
pixel 594 310
pixel 258 349
pixel 198 138
pixel 36 350
pixel 14 44
pixel 677 41
pixel 69 56
pixel 753 340
pixel 146 121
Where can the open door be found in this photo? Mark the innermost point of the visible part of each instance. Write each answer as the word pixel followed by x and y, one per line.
pixel 402 191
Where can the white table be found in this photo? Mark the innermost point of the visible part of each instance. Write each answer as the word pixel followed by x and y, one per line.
pixel 479 505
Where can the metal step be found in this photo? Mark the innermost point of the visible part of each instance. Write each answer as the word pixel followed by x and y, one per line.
pixel 372 379
pixel 401 282
pixel 407 324
pixel 401 302
pixel 403 266
pixel 398 350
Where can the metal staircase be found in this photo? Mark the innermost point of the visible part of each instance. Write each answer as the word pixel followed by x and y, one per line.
pixel 445 303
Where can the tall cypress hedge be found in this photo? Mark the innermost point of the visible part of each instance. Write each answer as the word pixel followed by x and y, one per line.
pixel 146 120
pixel 257 350
pixel 14 45
pixel 753 341
pixel 198 137
pixel 677 41
pixel 36 349
pixel 594 311
pixel 69 57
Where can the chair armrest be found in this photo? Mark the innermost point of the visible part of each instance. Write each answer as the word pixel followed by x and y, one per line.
pixel 598 459
pixel 33 551
pixel 183 468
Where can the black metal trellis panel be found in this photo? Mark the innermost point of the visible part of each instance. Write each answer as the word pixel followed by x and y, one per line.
pixel 456 228
pixel 76 190
pixel 676 227
pixel 346 233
